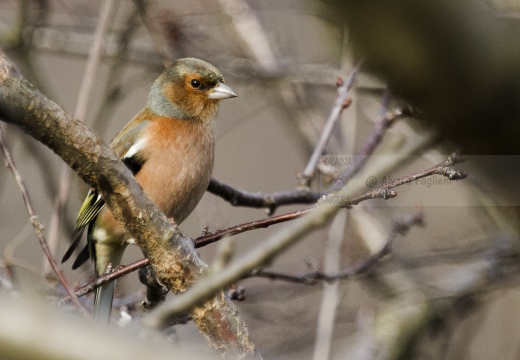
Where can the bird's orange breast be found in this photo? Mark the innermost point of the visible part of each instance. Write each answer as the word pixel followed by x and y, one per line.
pixel 178 161
pixel 178 164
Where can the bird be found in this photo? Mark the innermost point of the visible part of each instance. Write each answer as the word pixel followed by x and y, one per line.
pixel 169 148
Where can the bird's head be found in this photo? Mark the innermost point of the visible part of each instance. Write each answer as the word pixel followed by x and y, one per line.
pixel 189 89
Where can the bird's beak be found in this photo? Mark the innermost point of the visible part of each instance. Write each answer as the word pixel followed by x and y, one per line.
pixel 221 91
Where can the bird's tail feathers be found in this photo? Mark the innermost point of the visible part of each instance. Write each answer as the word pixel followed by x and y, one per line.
pixel 103 301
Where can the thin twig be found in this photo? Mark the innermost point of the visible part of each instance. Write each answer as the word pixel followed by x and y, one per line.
pixel 103 279
pixel 347 137
pixel 399 227
pixel 339 104
pixel 387 120
pixel 35 221
pixel 330 292
pixel 439 169
pixel 271 201
pixel 258 224
pixel 114 91
pixel 106 14
pixel 199 242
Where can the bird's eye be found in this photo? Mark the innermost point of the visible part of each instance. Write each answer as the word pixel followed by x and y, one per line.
pixel 195 83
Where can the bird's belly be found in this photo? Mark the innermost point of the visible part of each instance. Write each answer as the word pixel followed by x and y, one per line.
pixel 177 182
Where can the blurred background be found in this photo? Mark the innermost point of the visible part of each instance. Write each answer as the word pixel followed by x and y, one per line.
pixel 448 289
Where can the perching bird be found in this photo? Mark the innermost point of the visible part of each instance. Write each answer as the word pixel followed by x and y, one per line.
pixel 169 147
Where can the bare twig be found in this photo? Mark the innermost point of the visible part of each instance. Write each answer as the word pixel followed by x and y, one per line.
pixel 271 201
pixel 105 278
pixel 199 242
pixel 330 293
pixel 439 169
pixel 258 224
pixel 114 90
pixel 35 221
pixel 106 13
pixel 400 227
pixel 339 104
pixel 346 137
pixel 387 120
pixel 85 92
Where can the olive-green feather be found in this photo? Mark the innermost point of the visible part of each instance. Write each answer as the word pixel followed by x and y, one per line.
pixel 89 210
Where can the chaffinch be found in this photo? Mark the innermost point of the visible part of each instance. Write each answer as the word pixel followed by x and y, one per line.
pixel 169 147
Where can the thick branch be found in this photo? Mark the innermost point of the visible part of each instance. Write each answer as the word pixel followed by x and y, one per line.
pixel 171 255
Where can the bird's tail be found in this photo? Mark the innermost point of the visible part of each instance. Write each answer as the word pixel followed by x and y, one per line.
pixel 103 301
pixel 106 256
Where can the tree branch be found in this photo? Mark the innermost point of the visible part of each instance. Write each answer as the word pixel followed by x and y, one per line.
pixel 340 103
pixel 271 201
pixel 387 120
pixel 400 227
pixel 171 254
